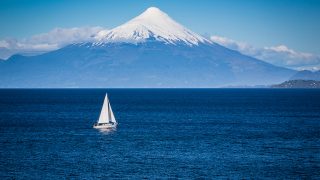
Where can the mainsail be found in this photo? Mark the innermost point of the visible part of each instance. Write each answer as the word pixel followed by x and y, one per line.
pixel 106 115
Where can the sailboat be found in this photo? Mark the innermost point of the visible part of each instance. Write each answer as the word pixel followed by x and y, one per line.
pixel 106 118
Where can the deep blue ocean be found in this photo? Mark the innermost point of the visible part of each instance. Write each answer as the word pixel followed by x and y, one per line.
pixel 162 133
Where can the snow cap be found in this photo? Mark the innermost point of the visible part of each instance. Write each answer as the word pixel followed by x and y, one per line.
pixel 152 24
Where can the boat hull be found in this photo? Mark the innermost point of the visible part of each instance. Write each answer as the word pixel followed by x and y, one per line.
pixel 104 126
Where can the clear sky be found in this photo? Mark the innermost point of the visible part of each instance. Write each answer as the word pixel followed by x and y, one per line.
pixel 295 23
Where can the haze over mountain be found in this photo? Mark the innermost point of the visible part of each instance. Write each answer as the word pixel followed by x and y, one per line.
pixel 151 50
pixel 306 75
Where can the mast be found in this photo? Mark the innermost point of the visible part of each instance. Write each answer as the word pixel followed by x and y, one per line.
pixel 109 114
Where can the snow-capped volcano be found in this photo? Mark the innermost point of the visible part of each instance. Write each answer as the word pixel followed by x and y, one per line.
pixel 151 50
pixel 151 24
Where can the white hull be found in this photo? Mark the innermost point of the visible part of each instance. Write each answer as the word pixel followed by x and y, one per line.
pixel 104 126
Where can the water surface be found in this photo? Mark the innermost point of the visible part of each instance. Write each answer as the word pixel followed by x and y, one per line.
pixel 162 133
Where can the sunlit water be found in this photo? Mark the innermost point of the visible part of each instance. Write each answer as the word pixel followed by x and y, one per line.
pixel 162 133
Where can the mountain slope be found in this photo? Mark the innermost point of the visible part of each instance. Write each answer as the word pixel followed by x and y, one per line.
pixel 306 75
pixel 141 53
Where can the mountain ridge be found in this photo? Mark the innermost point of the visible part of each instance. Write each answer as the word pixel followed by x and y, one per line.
pixel 298 83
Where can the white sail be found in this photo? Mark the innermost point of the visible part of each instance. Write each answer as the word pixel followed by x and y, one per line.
pixel 112 118
pixel 104 115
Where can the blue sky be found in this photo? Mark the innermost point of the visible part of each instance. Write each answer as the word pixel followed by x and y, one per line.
pixel 294 23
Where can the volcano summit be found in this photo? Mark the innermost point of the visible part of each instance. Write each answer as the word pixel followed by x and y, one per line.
pixel 152 24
